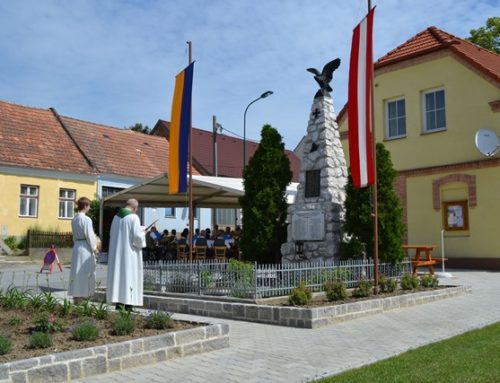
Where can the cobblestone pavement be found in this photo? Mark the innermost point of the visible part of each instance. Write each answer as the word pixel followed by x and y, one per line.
pixel 264 353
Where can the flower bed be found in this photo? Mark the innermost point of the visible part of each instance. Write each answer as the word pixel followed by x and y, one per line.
pixel 44 339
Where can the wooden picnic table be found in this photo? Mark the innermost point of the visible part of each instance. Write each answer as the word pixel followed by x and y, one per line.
pixel 427 260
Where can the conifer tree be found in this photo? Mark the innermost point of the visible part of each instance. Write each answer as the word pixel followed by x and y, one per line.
pixel 264 204
pixel 359 220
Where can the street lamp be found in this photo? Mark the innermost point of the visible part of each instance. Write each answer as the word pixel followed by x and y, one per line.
pixel 263 95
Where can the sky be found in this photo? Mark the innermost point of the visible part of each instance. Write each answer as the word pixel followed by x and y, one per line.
pixel 114 62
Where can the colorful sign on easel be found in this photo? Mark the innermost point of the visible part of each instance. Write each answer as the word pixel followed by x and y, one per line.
pixel 49 259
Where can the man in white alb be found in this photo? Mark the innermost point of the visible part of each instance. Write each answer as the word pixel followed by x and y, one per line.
pixel 125 278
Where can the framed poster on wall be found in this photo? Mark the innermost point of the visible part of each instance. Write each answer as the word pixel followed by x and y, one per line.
pixel 456 215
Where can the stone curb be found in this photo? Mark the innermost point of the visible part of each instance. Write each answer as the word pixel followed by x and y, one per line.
pixel 298 316
pixel 76 364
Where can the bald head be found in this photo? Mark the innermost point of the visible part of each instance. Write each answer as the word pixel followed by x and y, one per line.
pixel 132 204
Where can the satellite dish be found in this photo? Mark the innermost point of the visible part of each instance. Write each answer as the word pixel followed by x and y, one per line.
pixel 487 142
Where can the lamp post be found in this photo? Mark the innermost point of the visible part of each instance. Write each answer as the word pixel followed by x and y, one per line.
pixel 263 95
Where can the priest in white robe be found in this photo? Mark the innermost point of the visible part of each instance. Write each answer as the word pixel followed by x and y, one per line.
pixel 82 275
pixel 125 275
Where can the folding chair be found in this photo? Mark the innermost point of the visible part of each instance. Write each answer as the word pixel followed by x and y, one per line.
pixel 200 252
pixel 220 253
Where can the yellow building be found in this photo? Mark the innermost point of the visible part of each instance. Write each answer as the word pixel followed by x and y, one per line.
pixel 42 171
pixel 432 94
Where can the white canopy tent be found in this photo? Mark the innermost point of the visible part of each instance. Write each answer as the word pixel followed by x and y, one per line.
pixel 208 192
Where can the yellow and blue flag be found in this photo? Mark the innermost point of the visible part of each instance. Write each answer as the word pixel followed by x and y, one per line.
pixel 180 126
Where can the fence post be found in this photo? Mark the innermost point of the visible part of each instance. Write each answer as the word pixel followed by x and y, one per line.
pixel 255 279
pixel 199 277
pixel 161 280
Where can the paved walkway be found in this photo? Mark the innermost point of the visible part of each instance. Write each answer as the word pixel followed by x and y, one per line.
pixel 264 353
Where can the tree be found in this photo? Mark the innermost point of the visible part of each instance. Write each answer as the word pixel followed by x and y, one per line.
pixel 359 219
pixel 487 37
pixel 264 204
pixel 138 127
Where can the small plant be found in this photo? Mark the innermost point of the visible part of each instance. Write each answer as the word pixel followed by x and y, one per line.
pixel 335 290
pixel 409 281
pixel 47 323
pixel 429 281
pixel 5 345
pixel 15 298
pixel 364 289
pixel 50 302
pixel 14 321
pixel 40 340
pixel 387 285
pixel 36 301
pixel 159 320
pixel 85 308
pixel 101 312
pixel 123 325
pixel 66 308
pixel 300 296
pixel 85 332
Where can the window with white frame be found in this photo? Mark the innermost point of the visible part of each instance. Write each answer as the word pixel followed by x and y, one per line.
pixel 434 111
pixel 226 217
pixel 67 203
pixel 170 212
pixel 28 201
pixel 395 121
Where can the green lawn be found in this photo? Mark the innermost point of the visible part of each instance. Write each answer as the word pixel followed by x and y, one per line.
pixel 471 357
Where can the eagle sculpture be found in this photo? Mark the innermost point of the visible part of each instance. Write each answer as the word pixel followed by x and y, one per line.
pixel 324 78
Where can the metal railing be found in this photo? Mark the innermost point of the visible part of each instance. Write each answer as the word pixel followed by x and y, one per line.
pixel 252 280
pixel 38 239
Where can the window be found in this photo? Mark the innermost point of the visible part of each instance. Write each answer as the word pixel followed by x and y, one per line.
pixel 226 217
pixel 66 203
pixel 170 212
pixel 29 201
pixel 395 123
pixel 434 111
pixel 312 183
pixel 456 215
pixel 108 190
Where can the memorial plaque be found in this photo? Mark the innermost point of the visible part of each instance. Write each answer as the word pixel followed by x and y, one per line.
pixel 308 226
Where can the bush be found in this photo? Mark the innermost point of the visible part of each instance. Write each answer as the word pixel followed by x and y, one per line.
pixel 300 296
pixel 40 340
pixel 84 332
pixel 46 323
pixel 429 281
pixel 11 241
pixel 364 289
pixel 387 285
pixel 243 277
pixel 409 282
pixel 159 320
pixel 5 345
pixel 123 325
pixel 335 290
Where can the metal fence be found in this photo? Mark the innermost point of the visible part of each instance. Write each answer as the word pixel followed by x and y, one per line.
pixel 37 239
pixel 247 280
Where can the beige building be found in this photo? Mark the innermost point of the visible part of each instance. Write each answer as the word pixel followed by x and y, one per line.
pixel 432 94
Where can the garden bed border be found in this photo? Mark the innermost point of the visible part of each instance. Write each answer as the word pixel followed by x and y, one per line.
pixel 76 364
pixel 302 317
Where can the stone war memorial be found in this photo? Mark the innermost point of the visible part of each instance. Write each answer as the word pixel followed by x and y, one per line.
pixel 315 220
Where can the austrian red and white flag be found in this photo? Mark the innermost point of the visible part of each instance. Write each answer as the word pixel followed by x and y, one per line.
pixel 359 104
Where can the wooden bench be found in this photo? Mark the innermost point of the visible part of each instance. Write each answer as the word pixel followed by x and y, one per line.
pixel 417 261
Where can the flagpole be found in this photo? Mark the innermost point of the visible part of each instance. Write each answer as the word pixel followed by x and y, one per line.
pixel 190 159
pixel 375 193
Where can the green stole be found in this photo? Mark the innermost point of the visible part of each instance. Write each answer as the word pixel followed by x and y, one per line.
pixel 123 212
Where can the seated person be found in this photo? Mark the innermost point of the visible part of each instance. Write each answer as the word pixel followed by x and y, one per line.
pixel 227 234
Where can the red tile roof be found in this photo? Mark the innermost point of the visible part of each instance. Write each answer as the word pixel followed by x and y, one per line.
pixel 229 150
pixel 33 138
pixel 433 39
pixel 120 151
